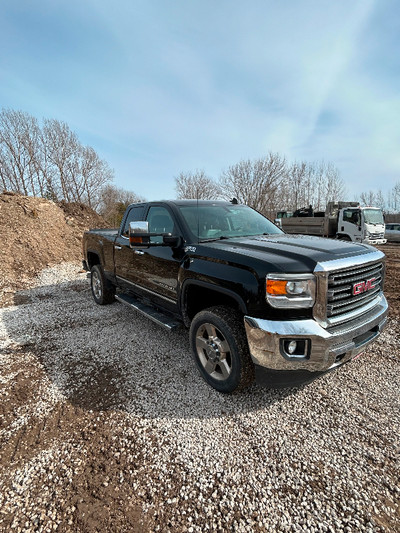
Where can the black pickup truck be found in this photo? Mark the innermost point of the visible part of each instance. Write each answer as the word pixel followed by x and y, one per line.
pixel 259 303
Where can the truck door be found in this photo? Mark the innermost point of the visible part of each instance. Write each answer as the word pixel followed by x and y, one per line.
pixel 151 272
pixel 350 224
pixel 158 266
pixel 124 258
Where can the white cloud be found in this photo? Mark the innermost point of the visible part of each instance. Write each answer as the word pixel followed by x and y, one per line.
pixel 164 87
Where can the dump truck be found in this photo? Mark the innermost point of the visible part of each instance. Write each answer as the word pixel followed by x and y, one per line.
pixel 342 220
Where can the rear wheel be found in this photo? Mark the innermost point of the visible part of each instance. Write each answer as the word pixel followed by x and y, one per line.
pixel 102 290
pixel 220 349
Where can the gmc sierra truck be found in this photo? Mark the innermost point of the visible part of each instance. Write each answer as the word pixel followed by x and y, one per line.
pixel 259 304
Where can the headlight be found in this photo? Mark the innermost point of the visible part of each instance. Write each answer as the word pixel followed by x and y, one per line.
pixel 290 291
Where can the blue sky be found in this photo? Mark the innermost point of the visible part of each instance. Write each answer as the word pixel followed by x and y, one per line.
pixel 160 87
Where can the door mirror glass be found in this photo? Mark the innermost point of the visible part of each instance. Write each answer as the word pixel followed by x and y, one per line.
pixel 139 234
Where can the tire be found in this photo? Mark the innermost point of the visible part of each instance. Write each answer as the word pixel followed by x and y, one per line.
pixel 220 350
pixel 343 237
pixel 103 291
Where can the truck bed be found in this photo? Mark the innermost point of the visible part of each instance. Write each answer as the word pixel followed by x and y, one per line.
pixel 105 232
pixel 305 226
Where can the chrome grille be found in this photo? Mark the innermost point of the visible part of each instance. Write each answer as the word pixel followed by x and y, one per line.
pixel 376 235
pixel 343 298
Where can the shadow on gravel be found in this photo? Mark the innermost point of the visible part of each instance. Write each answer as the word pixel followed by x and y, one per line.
pixel 111 358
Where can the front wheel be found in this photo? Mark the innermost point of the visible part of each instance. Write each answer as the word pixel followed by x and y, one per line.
pixel 220 349
pixel 103 292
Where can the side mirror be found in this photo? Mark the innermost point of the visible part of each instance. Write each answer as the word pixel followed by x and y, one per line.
pixel 139 234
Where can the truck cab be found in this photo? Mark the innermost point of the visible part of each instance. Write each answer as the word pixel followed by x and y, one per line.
pixel 362 224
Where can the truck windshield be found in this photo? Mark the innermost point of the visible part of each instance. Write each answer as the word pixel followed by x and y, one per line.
pixel 373 216
pixel 225 221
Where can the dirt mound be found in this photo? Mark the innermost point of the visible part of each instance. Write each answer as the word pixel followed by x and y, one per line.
pixel 36 233
pixel 392 279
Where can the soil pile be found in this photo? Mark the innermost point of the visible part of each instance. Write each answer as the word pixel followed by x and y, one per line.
pixel 392 278
pixel 36 233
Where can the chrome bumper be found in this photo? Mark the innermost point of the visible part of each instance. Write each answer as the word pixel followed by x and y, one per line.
pixel 328 348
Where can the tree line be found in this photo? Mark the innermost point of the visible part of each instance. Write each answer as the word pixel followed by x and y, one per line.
pixel 48 160
pixel 268 184
pixel 389 204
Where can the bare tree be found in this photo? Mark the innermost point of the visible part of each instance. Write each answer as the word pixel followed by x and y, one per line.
pixel 255 183
pixel 48 161
pixel 335 188
pixel 95 174
pixel 313 184
pixel 295 185
pixel 113 202
pixel 394 198
pixel 196 185
pixel 19 135
pixel 380 200
pixel 368 198
pixel 63 148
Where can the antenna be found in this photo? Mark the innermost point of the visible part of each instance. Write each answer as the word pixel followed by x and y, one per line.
pixel 198 217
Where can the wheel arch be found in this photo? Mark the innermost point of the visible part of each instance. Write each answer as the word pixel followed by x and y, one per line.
pixel 93 258
pixel 197 295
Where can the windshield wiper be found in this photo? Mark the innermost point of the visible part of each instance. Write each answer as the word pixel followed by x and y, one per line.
pixel 215 239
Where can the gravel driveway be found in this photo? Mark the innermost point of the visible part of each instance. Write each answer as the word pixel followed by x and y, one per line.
pixel 106 425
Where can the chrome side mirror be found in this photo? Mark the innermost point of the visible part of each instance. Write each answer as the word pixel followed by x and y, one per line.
pixel 139 234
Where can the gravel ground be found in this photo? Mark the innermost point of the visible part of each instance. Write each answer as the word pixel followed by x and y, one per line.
pixel 106 425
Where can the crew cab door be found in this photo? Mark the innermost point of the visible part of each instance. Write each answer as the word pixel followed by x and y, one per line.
pixel 152 272
pixel 124 259
pixel 158 266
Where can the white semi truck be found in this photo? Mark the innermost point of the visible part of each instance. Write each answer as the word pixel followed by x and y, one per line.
pixel 342 220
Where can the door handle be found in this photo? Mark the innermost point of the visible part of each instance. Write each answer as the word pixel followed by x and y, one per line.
pixel 118 247
pixel 139 252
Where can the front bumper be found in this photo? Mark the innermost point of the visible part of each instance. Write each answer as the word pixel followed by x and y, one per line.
pixel 374 241
pixel 327 348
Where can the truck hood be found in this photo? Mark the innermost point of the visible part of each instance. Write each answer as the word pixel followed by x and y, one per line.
pixel 290 253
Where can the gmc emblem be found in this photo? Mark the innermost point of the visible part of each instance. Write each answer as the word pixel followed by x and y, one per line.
pixel 363 286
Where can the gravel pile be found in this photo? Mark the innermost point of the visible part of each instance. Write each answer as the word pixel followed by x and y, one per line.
pixel 106 425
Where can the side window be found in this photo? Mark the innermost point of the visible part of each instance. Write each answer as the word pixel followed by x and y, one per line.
pixel 136 213
pixel 352 216
pixel 160 221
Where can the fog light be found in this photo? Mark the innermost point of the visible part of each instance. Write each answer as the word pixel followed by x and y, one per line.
pixel 291 348
pixel 295 348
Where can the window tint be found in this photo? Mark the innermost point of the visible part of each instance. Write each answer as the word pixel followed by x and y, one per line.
pixel 160 221
pixel 351 215
pixel 135 213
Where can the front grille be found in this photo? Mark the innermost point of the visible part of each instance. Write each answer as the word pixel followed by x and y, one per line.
pixel 376 235
pixel 352 289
